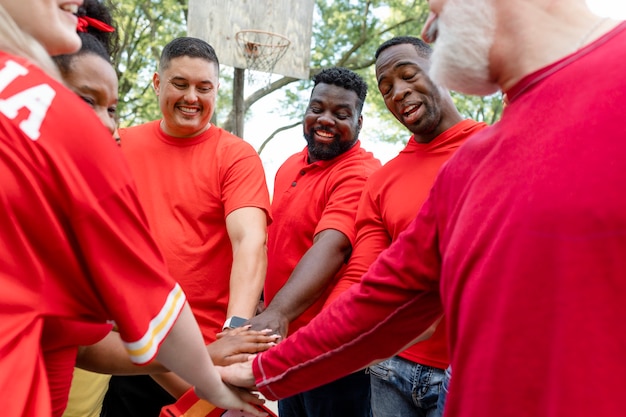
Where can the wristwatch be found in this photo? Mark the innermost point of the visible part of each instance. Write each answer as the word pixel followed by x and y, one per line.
pixel 233 322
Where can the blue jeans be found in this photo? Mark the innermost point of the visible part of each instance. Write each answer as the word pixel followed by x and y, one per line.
pixel 346 397
pixel 444 391
pixel 404 388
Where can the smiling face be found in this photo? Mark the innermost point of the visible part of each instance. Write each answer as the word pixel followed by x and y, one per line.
pixel 94 80
pixel 332 121
pixel 187 90
pixel 408 92
pixel 51 22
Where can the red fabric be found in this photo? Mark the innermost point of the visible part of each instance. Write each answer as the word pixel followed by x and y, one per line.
pixel 391 199
pixel 76 248
pixel 85 21
pixel 189 405
pixel 188 187
pixel 310 198
pixel 524 236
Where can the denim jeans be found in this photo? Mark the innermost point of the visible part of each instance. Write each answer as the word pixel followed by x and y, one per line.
pixel 404 388
pixel 346 397
pixel 444 391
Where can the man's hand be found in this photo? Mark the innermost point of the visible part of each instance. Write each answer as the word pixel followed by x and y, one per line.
pixel 271 319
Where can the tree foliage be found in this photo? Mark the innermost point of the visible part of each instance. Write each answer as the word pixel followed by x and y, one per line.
pixel 345 33
pixel 144 27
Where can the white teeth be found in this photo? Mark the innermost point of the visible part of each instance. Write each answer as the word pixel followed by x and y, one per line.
pixel 72 8
pixel 324 133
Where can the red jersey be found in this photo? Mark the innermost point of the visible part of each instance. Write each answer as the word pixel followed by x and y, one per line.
pixel 391 199
pixel 308 199
pixel 77 253
pixel 188 187
pixel 522 241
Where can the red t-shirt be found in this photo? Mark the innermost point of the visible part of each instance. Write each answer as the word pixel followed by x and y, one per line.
pixel 391 199
pixel 76 247
pixel 523 237
pixel 188 187
pixel 308 199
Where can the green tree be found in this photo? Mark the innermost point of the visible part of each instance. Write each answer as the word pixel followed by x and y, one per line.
pixel 345 33
pixel 144 27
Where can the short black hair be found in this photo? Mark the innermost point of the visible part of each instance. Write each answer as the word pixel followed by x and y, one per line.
pixel 422 47
pixel 190 47
pixel 345 78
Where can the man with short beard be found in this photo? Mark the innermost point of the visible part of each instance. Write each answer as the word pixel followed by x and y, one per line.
pixel 521 242
pixel 316 193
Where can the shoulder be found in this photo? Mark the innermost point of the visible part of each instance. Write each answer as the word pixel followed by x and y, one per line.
pixel 229 144
pixel 357 162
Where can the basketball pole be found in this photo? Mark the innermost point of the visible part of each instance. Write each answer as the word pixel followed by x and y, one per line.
pixel 238 101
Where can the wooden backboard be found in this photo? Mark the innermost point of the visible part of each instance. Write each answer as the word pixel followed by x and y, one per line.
pixel 217 22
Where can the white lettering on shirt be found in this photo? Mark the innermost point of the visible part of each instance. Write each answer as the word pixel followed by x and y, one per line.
pixel 36 99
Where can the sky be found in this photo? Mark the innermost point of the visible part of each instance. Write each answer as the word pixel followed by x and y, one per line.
pixel 264 122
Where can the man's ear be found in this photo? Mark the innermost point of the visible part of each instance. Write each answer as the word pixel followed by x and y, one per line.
pixel 156 82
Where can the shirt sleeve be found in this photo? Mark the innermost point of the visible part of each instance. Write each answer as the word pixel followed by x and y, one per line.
pixel 372 238
pixel 129 272
pixel 399 292
pixel 244 183
pixel 344 194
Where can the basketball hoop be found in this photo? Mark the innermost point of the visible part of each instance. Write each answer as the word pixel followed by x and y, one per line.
pixel 262 50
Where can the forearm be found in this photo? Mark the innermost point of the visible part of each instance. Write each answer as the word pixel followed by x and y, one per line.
pixel 172 383
pixel 307 283
pixel 247 278
pixel 184 352
pixel 109 356
pixel 247 230
pixel 371 240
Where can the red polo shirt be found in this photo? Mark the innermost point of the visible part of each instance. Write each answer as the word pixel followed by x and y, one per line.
pixel 310 198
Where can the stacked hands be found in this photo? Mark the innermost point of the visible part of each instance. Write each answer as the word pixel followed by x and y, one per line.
pixel 232 354
pixel 240 344
pixel 236 368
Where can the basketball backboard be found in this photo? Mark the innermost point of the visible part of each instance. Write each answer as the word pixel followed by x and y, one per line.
pixel 218 21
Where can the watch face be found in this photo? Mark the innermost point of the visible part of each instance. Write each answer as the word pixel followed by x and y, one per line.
pixel 235 322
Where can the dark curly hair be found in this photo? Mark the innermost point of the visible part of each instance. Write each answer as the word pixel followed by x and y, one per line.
pixel 423 49
pixel 94 41
pixel 343 77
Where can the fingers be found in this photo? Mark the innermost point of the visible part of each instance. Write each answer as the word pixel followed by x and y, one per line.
pixel 233 332
pixel 249 396
pixel 239 357
pixel 245 331
pixel 256 347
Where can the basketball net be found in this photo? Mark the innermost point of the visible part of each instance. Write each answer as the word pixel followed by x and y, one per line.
pixel 262 50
